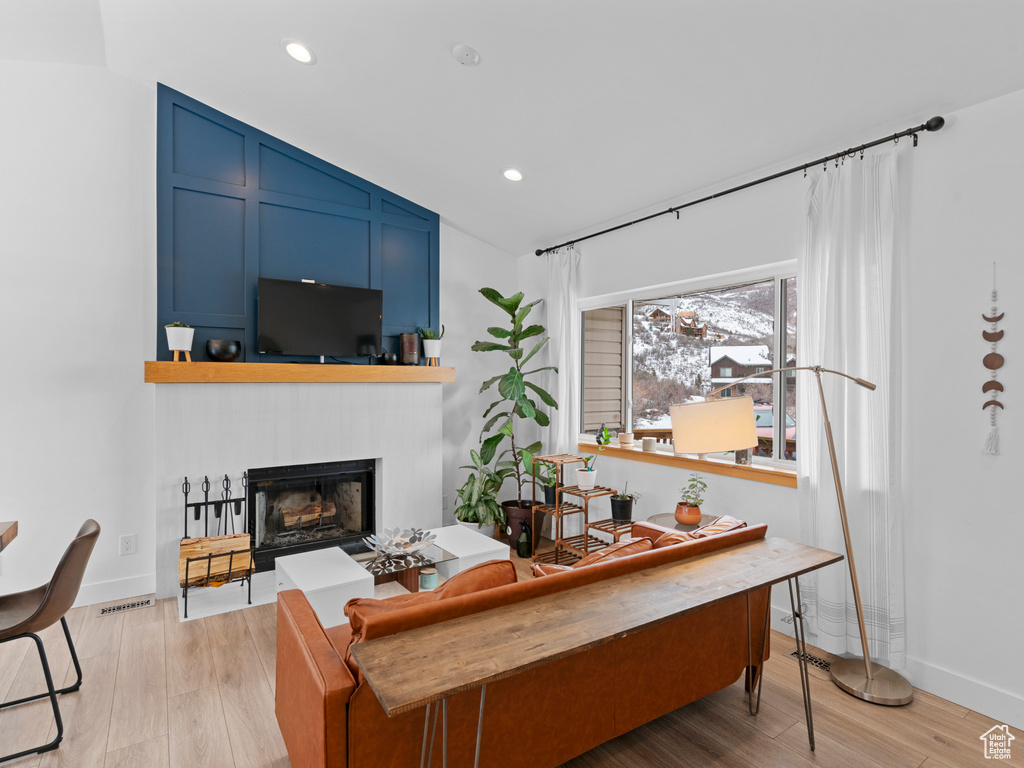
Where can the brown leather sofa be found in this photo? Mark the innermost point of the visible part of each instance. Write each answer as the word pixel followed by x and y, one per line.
pixel 330 717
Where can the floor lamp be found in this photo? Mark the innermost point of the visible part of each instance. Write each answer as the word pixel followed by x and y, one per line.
pixel 727 424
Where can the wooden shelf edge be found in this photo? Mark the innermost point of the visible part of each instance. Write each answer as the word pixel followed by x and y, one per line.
pixel 753 472
pixel 164 372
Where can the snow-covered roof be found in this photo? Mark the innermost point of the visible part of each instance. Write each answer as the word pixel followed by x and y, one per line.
pixel 753 355
pixel 719 381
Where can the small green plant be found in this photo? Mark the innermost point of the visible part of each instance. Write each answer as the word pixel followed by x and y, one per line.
pixel 603 438
pixel 177 324
pixel 479 495
pixel 625 496
pixel 693 494
pixel 430 334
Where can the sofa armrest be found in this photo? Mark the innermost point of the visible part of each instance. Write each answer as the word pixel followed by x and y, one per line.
pixel 313 687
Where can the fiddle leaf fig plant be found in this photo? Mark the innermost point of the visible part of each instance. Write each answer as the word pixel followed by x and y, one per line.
pixel 518 395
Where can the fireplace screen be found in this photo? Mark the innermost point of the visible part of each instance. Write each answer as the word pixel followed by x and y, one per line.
pixel 308 506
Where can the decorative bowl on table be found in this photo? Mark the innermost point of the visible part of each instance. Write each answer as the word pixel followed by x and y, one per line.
pixel 223 350
pixel 395 542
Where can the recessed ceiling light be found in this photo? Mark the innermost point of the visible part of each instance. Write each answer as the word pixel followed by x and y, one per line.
pixel 465 55
pixel 512 174
pixel 299 51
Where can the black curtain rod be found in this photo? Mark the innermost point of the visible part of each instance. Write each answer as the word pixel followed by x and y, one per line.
pixel 934 124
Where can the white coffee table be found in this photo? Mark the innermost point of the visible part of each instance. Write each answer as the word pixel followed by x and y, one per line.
pixel 328 577
pixel 469 547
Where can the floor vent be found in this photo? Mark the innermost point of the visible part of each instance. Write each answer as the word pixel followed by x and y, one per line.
pixel 142 602
pixel 813 660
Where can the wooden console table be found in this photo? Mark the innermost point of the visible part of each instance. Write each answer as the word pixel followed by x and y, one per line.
pixel 462 651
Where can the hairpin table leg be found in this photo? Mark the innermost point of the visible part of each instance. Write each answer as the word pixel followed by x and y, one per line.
pixel 801 654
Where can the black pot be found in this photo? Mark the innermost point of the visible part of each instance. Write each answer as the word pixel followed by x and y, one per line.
pixel 549 495
pixel 223 350
pixel 516 514
pixel 622 510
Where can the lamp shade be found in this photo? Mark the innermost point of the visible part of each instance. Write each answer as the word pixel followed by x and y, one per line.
pixel 714 425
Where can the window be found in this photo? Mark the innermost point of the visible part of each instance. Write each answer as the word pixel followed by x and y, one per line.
pixel 604 382
pixel 682 346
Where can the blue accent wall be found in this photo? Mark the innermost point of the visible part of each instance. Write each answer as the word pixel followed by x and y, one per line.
pixel 234 204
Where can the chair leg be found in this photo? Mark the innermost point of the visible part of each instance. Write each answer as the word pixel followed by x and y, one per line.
pixel 53 702
pixel 71 688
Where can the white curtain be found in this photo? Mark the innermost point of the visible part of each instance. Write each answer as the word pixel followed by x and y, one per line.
pixel 850 320
pixel 564 352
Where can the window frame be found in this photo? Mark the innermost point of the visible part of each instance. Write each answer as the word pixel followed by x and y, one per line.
pixel 779 272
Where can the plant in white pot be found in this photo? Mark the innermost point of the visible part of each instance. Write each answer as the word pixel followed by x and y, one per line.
pixel 179 339
pixel 431 344
pixel 586 478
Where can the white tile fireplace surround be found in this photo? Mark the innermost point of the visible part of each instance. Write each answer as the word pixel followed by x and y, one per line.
pixel 218 429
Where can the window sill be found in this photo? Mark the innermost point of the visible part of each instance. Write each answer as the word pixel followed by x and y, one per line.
pixel 757 472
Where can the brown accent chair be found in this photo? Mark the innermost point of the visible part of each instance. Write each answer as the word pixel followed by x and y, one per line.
pixel 540 718
pixel 24 614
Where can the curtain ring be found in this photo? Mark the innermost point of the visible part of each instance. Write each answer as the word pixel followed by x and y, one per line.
pixel 915 139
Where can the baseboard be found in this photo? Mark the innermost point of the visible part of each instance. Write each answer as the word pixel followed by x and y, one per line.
pixel 1004 706
pixel 1001 705
pixel 116 589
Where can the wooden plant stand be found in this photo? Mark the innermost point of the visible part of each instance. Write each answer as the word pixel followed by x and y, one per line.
pixel 571 549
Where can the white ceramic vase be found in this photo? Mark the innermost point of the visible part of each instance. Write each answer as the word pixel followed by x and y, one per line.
pixel 432 348
pixel 586 478
pixel 180 338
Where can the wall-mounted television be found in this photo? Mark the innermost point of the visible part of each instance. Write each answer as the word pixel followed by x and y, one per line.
pixel 300 318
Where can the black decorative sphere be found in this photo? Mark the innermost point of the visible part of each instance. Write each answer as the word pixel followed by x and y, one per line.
pixel 223 350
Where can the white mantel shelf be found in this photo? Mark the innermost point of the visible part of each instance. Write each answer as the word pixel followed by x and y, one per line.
pixel 163 372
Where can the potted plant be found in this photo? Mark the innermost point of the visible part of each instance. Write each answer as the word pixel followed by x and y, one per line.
pixel 586 478
pixel 431 343
pixel 622 505
pixel 479 505
pixel 516 402
pixel 179 339
pixel 692 496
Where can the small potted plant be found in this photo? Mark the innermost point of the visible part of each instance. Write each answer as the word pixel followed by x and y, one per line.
pixel 692 496
pixel 622 505
pixel 431 343
pixel 179 339
pixel 479 505
pixel 586 478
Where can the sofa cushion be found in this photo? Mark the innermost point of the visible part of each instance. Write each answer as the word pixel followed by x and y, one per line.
pixel 672 537
pixel 615 551
pixel 493 573
pixel 547 569
pixel 360 610
pixel 715 527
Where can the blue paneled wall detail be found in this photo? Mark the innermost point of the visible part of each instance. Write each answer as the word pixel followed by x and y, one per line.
pixel 234 204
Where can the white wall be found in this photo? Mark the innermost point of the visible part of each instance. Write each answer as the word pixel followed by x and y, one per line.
pixel 76 301
pixel 964 530
pixel 964 584
pixel 467 265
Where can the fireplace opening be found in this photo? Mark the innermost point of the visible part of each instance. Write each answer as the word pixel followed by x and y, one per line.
pixel 309 506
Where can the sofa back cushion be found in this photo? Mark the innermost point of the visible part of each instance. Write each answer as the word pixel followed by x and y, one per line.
pixel 362 611
pixel 672 537
pixel 615 551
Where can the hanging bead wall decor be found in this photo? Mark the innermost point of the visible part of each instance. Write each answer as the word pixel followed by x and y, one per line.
pixel 993 361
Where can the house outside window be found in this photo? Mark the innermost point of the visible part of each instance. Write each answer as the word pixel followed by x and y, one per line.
pixel 679 347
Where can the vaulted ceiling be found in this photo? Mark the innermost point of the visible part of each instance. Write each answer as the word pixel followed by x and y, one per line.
pixel 608 107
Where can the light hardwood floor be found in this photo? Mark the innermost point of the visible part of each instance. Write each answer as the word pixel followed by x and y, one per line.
pixel 162 694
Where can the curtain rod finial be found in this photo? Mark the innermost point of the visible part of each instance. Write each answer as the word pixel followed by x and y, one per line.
pixel 539 252
pixel 935 123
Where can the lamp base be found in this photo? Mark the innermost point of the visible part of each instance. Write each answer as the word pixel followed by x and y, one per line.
pixel 885 687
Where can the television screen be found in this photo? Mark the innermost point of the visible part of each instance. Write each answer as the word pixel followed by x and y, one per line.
pixel 296 318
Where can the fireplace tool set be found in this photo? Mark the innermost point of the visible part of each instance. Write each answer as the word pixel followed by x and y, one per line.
pixel 212 561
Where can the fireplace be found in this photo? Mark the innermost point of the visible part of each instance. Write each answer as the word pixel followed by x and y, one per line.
pixel 303 507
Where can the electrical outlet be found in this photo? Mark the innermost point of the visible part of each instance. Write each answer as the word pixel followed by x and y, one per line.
pixel 127 544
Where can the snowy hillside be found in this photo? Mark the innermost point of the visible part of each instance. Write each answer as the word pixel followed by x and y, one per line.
pixel 674 367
